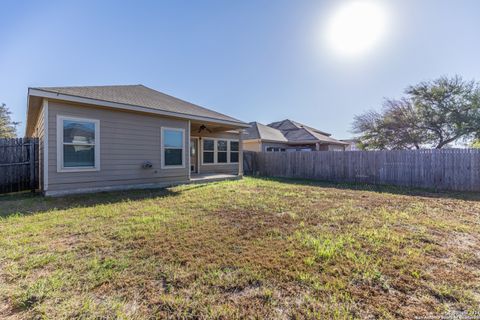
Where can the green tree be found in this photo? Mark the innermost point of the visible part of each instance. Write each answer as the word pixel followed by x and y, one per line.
pixel 7 126
pixel 389 129
pixel 475 144
pixel 432 114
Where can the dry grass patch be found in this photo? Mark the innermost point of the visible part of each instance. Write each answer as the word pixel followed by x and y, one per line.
pixel 253 248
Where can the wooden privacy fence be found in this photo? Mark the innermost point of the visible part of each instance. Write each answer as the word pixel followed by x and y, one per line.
pixel 444 169
pixel 18 164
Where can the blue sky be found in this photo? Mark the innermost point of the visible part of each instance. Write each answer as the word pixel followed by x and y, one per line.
pixel 254 60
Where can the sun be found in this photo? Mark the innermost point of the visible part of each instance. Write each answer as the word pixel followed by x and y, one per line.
pixel 356 28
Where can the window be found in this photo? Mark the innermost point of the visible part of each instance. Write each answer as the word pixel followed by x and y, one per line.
pixel 234 151
pixel 222 149
pixel 208 151
pixel 78 144
pixel 275 149
pixel 172 148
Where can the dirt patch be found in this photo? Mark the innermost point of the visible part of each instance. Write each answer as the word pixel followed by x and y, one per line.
pixel 464 241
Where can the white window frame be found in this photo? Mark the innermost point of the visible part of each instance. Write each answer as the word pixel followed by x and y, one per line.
pixel 60 144
pixel 275 149
pixel 230 151
pixel 215 151
pixel 162 147
pixel 226 151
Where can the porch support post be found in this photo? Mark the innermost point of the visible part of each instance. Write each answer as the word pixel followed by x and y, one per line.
pixel 240 153
pixel 187 153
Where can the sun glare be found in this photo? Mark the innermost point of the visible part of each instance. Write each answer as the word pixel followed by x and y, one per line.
pixel 356 27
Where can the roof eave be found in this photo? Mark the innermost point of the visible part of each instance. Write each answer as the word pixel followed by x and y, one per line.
pixel 276 141
pixel 315 141
pixel 31 120
pixel 27 122
pixel 266 140
pixel 300 142
pixel 72 98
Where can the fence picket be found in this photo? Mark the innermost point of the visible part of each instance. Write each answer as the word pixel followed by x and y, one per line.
pixel 18 164
pixel 444 169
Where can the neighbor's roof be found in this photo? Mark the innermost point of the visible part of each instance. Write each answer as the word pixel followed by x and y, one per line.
pixel 288 124
pixel 288 131
pixel 263 132
pixel 141 96
pixel 298 132
pixel 325 138
pixel 304 135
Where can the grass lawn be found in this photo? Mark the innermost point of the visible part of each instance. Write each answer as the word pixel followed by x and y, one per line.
pixel 253 248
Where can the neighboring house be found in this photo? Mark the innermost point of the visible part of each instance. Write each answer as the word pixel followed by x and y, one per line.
pixel 288 135
pixel 352 144
pixel 120 137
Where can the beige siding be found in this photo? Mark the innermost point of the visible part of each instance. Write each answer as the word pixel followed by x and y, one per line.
pixel 331 147
pixel 252 145
pixel 39 132
pixel 259 146
pixel 228 168
pixel 126 140
pixel 266 145
pixel 334 147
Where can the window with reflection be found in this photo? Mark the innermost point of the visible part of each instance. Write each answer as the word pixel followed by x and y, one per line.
pixel 208 151
pixel 78 143
pixel 173 147
pixel 222 149
pixel 234 151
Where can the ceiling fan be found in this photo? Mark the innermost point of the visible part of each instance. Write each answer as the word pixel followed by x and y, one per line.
pixel 204 127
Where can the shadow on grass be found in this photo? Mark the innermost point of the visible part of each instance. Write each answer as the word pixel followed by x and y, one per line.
pixel 29 203
pixel 23 204
pixel 388 189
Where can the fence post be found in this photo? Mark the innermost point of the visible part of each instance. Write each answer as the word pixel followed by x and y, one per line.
pixel 32 164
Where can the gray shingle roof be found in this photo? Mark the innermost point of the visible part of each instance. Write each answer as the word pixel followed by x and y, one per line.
pixel 263 132
pixel 299 135
pixel 301 125
pixel 289 131
pixel 325 138
pixel 140 95
pixel 288 124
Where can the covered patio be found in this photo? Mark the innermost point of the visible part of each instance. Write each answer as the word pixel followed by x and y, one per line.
pixel 215 151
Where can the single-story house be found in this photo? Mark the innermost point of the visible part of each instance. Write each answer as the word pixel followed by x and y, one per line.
pixel 288 135
pixel 102 138
pixel 352 144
